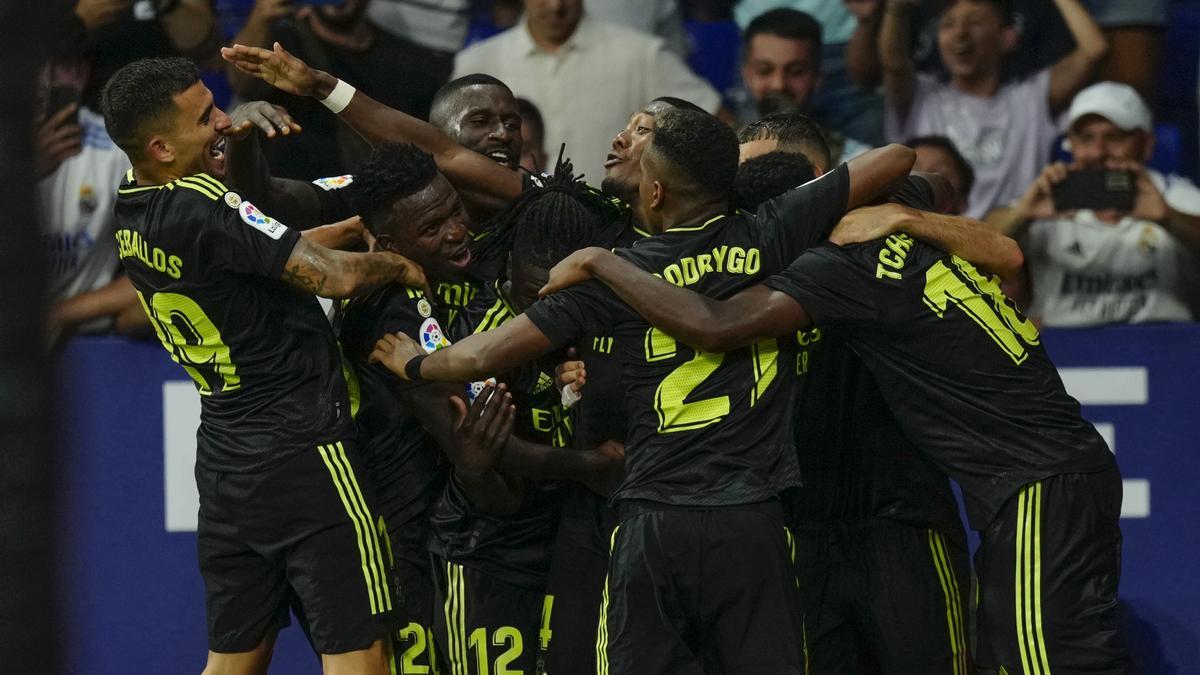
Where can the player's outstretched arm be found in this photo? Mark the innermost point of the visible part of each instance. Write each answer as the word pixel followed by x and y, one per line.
pixel 966 238
pixel 475 358
pixel 703 323
pixel 338 274
pixel 342 235
pixel 378 123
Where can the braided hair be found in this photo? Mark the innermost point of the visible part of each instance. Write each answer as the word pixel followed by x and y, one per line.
pixel 548 222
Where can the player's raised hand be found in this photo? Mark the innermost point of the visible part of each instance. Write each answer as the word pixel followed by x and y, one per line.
pixel 277 68
pixel 266 117
pixel 394 351
pixel 574 269
pixel 481 431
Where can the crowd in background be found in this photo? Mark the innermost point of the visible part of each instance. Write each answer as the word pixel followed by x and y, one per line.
pixel 1041 113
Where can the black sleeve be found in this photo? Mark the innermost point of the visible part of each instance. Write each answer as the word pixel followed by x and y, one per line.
pixel 803 216
pixel 334 204
pixel 244 240
pixel 832 284
pixel 565 317
pixel 915 192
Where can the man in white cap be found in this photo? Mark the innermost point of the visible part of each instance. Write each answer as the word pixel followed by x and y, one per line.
pixel 1099 266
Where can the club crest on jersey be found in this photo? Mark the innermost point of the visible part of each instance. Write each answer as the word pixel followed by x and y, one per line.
pixel 424 308
pixel 432 337
pixel 261 221
pixel 232 200
pixel 334 182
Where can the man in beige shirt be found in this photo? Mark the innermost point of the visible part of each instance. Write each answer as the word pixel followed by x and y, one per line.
pixel 585 75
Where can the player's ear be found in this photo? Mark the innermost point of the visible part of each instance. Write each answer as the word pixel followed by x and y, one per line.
pixel 657 195
pixel 159 150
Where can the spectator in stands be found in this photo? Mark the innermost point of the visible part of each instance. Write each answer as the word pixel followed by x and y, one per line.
pixel 1003 128
pixel 1094 266
pixel 533 138
pixel 111 33
pixel 79 168
pixel 657 17
pixel 839 103
pixel 338 39
pixel 782 72
pixel 585 75
pixel 937 154
pixel 1133 30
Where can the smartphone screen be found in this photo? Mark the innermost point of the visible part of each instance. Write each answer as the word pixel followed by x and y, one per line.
pixel 1095 189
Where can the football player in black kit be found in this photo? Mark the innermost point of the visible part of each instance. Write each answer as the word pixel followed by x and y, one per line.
pixel 967 379
pixel 703 470
pixel 284 509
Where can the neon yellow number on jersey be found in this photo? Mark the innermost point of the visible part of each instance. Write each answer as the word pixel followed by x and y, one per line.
pixel 192 339
pixel 983 301
pixel 677 414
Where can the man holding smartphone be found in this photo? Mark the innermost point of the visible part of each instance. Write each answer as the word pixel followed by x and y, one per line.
pixel 1107 240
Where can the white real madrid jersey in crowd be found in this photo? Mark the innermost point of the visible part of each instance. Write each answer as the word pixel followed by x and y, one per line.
pixel 76 207
pixel 1086 272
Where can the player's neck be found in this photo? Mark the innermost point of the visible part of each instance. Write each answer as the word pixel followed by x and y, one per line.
pixel 692 213
pixel 154 174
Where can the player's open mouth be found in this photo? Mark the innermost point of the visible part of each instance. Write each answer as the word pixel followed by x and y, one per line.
pixel 613 160
pixel 217 149
pixel 501 156
pixel 462 258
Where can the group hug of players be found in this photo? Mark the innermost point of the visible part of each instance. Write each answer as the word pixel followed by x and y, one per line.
pixel 720 441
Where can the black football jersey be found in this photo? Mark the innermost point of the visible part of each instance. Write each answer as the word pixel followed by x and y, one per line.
pixel 206 266
pixel 856 461
pixel 961 368
pixel 704 429
pixel 402 459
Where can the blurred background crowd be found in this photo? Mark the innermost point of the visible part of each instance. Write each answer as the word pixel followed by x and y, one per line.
pixel 1070 125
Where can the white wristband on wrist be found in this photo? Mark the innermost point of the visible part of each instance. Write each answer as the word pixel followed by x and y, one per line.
pixel 339 98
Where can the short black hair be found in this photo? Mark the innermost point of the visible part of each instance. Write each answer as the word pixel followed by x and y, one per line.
pixel 679 103
pixel 446 98
pixel 791 24
pixel 947 145
pixel 390 172
pixel 700 149
pixel 794 132
pixel 532 116
pixel 142 93
pixel 768 176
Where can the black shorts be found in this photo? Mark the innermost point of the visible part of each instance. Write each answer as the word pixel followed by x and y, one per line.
pixel 693 590
pixel 413 650
pixel 485 621
pixel 303 531
pixel 883 597
pixel 1048 567
pixel 572 606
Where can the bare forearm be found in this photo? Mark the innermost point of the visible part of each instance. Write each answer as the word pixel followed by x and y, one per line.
pixel 339 236
pixel 899 73
pixel 108 300
pixel 1184 227
pixel 247 170
pixel 485 354
pixel 336 274
pixel 489 490
pixel 970 239
pixel 684 315
pixel 1010 221
pixel 862 53
pixel 542 462
pixel 876 174
pixel 1070 74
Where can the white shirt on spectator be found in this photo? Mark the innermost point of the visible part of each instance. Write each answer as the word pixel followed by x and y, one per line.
pixel 589 88
pixel 75 204
pixel 1006 138
pixel 437 24
pixel 1086 272
pixel 657 17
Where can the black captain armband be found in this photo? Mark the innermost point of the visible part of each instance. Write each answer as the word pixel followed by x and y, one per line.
pixel 412 369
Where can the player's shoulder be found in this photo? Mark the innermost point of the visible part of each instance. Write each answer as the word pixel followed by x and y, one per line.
pixel 390 309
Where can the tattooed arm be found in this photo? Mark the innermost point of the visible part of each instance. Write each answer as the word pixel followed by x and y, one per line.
pixel 338 274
